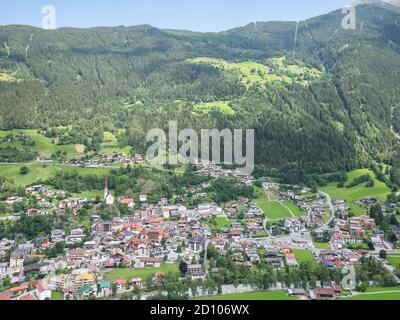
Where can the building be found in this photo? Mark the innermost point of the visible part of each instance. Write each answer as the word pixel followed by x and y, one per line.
pixel 108 197
pixel 196 244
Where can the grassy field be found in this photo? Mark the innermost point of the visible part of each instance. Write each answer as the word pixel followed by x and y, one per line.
pixel 222 106
pixel 379 191
pixel 42 172
pixel 274 210
pixel 385 296
pixel 110 145
pixel 43 145
pixel 394 261
pixel 274 71
pixel 304 256
pixel 222 222
pixel 139 273
pixel 322 245
pixel 55 295
pixel 278 295
pixel 294 208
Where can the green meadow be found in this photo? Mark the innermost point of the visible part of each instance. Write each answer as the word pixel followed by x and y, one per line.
pixel 41 172
pixel 129 274
pixel 294 208
pixel 394 261
pixel 110 145
pixel 220 223
pixel 304 256
pixel 275 70
pixel 322 245
pixel 43 145
pixel 350 195
pixel 221 106
pixel 276 295
pixel 377 293
pixel 273 210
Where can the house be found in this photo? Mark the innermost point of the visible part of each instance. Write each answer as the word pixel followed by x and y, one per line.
pixel 81 280
pixel 18 290
pixel 129 202
pixel 4 269
pixel 194 268
pixel 137 282
pixel 196 244
pixel 17 260
pixel 42 291
pixel 142 198
pixel 86 290
pixel 120 283
pixel 105 288
pixel 325 293
pixel 150 262
pixel 297 292
pixel 290 259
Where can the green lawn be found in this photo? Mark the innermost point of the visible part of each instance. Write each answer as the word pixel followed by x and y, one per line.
pixel 222 222
pixel 379 191
pixel 304 256
pixel 274 210
pixel 394 261
pixel 322 245
pixel 42 172
pixel 139 273
pixel 374 297
pixel 278 295
pixel 383 289
pixel 55 295
pixel 294 208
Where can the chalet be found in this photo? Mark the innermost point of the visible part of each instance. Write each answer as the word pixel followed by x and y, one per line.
pixel 151 262
pixel 129 202
pixel 297 292
pixel 325 293
pixel 11 200
pixel 120 283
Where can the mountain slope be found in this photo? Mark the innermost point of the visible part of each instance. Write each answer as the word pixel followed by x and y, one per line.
pixel 140 77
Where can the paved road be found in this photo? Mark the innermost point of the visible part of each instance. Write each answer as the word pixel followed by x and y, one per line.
pixel 333 211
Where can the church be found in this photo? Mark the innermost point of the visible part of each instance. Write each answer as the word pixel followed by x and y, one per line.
pixel 108 197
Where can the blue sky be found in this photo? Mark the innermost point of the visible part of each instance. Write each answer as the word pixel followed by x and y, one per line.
pixel 196 15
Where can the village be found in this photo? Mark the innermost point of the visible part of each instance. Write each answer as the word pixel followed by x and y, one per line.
pixel 99 260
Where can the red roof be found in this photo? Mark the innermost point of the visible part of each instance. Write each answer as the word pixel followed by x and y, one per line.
pixel 28 297
pixel 128 201
pixel 19 288
pixel 4 297
pixel 120 282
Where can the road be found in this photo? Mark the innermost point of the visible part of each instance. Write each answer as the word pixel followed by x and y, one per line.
pixel 325 226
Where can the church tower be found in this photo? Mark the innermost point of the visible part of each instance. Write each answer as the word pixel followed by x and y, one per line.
pixel 108 197
pixel 106 191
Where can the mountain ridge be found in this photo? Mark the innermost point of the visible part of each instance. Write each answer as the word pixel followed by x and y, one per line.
pixel 109 78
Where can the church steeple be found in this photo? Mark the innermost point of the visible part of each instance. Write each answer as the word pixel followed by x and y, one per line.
pixel 106 190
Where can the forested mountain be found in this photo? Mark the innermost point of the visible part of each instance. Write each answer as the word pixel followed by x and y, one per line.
pixel 321 98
